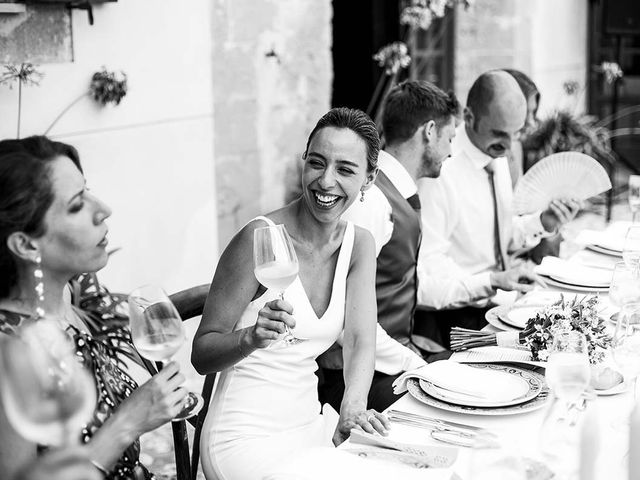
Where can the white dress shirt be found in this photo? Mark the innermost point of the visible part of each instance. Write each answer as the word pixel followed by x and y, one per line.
pixel 374 214
pixel 457 252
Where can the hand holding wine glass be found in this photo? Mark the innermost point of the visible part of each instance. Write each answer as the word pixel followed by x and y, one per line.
pixel 46 392
pixel 275 264
pixel 157 333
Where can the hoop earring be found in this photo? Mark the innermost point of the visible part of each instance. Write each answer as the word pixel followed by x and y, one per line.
pixel 39 288
pixel 362 195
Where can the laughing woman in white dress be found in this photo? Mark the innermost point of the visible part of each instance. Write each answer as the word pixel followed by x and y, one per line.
pixel 265 409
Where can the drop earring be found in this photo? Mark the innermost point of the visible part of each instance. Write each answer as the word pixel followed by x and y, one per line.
pixel 362 195
pixel 39 288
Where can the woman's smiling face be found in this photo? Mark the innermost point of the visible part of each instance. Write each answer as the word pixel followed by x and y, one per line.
pixel 335 170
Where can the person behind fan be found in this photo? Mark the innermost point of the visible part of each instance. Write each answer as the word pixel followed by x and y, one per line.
pixel 468 226
pixel 51 222
pixel 265 410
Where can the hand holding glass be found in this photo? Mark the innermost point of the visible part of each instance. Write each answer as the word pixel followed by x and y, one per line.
pixel 46 392
pixel 157 333
pixel 275 263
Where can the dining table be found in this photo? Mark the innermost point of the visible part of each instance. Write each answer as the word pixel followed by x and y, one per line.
pixel 521 436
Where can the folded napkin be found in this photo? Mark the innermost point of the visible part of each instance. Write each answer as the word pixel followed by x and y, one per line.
pixel 610 239
pixel 458 377
pixel 573 272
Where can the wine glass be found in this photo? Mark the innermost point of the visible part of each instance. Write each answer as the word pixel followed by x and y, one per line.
pixel 47 394
pixel 157 333
pixel 275 264
pixel 634 195
pixel 625 285
pixel 631 250
pixel 625 347
pixel 568 372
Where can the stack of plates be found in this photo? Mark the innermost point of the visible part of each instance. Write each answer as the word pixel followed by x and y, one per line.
pixel 499 390
pixel 574 276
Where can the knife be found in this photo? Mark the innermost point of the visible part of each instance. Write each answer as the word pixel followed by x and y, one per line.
pixel 436 421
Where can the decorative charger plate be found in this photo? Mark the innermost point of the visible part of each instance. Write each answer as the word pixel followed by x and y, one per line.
pixel 535 381
pixel 527 390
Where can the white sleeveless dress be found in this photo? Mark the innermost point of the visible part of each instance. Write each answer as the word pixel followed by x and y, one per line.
pixel 265 407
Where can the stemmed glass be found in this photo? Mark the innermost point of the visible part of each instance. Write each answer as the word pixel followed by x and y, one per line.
pixel 626 343
pixel 631 250
pixel 47 394
pixel 157 333
pixel 634 195
pixel 568 374
pixel 275 264
pixel 625 285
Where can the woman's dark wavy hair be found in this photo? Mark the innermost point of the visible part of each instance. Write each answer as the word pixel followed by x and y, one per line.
pixel 357 121
pixel 25 194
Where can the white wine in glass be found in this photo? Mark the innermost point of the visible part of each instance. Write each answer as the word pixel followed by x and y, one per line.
pixel 634 196
pixel 47 393
pixel 157 333
pixel 275 263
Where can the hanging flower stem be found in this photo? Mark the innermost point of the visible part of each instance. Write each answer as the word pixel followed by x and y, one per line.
pixel 19 105
pixel 65 110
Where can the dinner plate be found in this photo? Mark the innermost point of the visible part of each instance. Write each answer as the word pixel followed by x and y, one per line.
pixel 572 286
pixel 521 390
pixel 519 315
pixel 605 250
pixel 495 315
pixel 533 379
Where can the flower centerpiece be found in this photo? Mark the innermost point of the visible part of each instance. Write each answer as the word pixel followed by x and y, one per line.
pixel 568 315
pixel 565 315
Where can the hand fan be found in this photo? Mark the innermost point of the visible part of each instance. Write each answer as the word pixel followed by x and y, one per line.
pixel 560 175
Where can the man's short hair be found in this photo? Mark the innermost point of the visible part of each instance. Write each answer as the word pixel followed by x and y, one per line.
pixel 413 103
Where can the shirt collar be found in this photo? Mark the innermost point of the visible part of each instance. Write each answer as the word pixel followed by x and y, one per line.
pixel 397 174
pixel 462 143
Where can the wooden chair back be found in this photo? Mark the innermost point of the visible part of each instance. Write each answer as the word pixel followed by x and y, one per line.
pixel 189 303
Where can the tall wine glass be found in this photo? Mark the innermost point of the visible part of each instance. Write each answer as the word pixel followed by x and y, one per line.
pixel 157 333
pixel 626 343
pixel 47 394
pixel 275 263
pixel 568 372
pixel 631 250
pixel 634 195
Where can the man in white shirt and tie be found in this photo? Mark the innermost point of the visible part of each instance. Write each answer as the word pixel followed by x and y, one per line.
pixel 469 228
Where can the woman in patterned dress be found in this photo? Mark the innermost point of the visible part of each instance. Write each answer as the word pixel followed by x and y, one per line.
pixel 50 220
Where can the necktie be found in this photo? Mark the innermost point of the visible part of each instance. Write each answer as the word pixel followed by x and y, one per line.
pixel 414 201
pixel 497 245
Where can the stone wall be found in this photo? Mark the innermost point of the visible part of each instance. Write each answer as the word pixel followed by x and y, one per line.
pixel 546 40
pixel 272 80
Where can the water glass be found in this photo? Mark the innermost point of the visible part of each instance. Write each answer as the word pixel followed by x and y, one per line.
pixel 626 343
pixel 631 249
pixel 634 195
pixel 625 285
pixel 568 371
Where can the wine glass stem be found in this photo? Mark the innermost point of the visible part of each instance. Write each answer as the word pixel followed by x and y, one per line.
pixel 288 334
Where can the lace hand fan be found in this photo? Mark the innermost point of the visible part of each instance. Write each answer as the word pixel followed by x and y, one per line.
pixel 560 175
